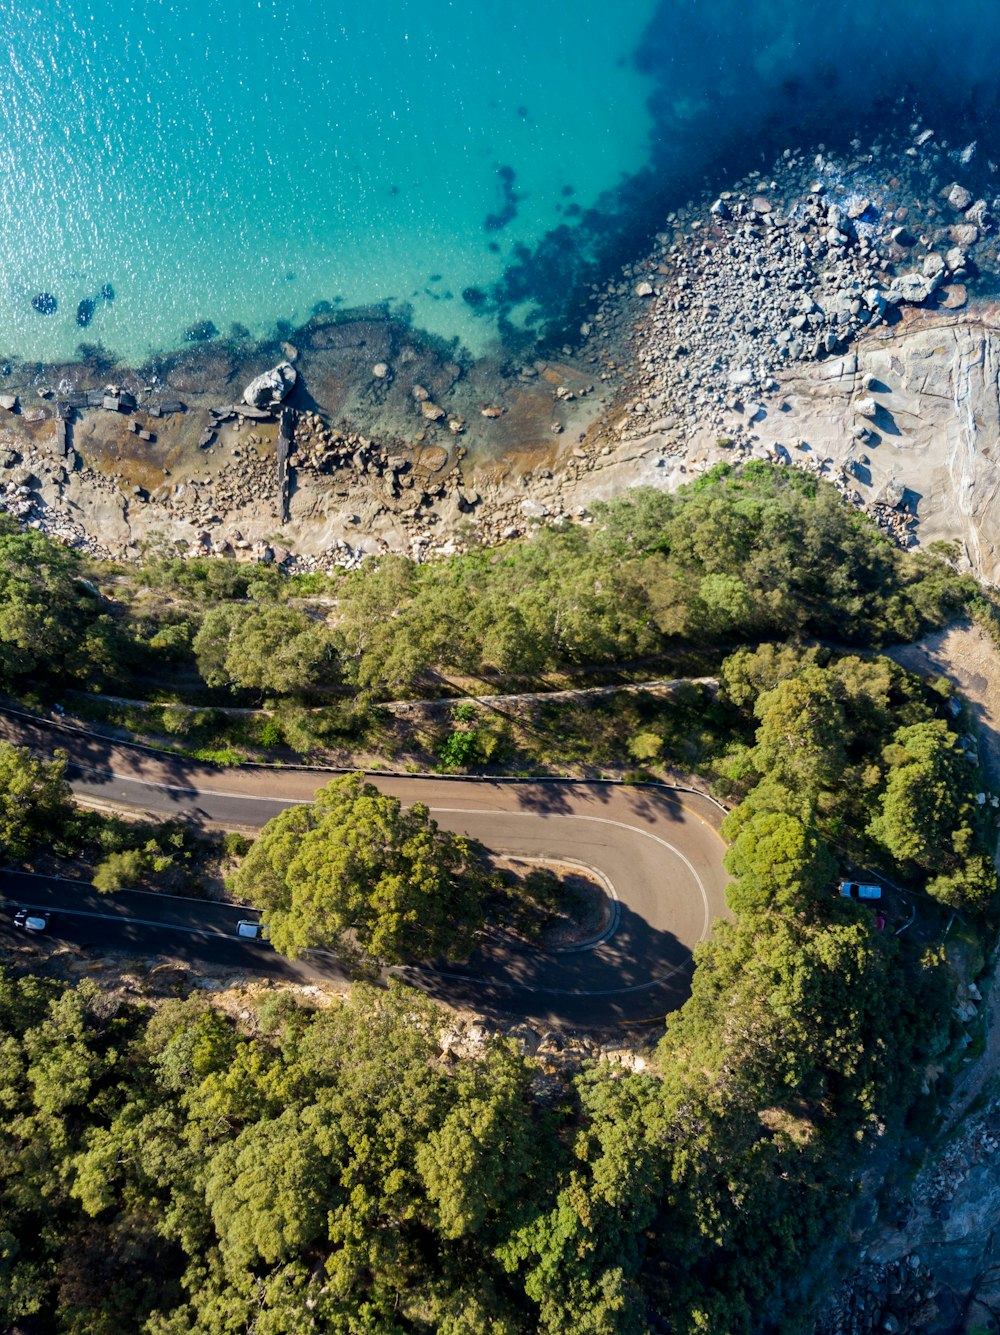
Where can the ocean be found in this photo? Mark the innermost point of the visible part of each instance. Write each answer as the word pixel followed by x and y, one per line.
pixel 173 170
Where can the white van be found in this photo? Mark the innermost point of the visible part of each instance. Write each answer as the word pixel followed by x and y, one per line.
pixel 858 890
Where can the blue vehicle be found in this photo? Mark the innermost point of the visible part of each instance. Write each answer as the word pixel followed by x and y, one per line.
pixel 858 890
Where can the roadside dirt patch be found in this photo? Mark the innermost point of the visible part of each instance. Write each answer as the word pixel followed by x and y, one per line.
pixel 967 657
pixel 586 907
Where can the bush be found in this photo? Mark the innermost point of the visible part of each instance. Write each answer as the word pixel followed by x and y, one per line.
pixel 459 750
pixel 645 746
pixel 224 756
pixel 270 734
pixel 235 845
pixel 119 871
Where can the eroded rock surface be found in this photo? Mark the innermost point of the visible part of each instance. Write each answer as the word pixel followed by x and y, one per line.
pixel 271 388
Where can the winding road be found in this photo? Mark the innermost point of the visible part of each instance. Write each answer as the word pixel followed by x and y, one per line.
pixel 658 854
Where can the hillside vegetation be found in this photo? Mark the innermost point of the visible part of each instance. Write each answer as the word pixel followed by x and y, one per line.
pixel 167 1169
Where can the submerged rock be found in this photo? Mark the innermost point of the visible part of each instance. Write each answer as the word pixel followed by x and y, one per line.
pixel 45 303
pixel 85 312
pixel 272 387
pixel 202 332
pixel 107 292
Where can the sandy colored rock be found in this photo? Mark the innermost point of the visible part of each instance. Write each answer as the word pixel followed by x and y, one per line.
pixel 935 431
pixel 953 296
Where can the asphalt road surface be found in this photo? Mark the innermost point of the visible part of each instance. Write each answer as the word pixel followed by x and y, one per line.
pixel 659 856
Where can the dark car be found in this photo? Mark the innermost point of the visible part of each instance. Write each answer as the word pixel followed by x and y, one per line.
pixel 31 920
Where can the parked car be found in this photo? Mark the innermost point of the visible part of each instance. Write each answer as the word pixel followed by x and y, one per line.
pixel 251 930
pixel 858 890
pixel 31 920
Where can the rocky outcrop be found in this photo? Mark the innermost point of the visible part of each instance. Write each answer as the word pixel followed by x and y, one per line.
pixel 907 426
pixel 932 441
pixel 271 388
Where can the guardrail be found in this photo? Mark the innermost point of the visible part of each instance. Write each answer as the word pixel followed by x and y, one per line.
pixel 426 776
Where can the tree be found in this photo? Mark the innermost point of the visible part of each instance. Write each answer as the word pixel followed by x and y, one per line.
pixel 748 673
pixel 356 873
pixel 271 1188
pixel 802 727
pixel 972 886
pixel 34 801
pixel 778 862
pixel 265 648
pixel 42 606
pixel 476 1165
pixel 120 870
pixel 919 809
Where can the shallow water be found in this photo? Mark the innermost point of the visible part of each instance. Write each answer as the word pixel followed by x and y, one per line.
pixel 239 161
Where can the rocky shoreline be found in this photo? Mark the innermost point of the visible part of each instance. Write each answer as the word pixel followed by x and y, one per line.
pixel 718 344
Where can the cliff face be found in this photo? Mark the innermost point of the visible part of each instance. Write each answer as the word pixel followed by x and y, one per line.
pixel 911 418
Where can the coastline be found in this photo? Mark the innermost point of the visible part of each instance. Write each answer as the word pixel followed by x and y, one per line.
pixel 751 309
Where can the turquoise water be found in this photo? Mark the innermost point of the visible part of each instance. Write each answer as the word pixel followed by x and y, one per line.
pixel 239 161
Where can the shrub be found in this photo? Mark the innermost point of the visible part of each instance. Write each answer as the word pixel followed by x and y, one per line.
pixel 235 845
pixel 119 871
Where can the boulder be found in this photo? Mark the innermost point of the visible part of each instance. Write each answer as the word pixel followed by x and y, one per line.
pixel 959 198
pixel 911 289
pixel 891 494
pixel 272 387
pixel 933 265
pixel 953 296
pixel 979 214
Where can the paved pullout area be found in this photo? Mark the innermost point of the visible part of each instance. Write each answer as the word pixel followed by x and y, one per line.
pixel 659 853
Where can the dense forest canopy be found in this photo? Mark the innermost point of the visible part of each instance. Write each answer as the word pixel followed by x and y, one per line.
pixel 168 1167
pixel 762 553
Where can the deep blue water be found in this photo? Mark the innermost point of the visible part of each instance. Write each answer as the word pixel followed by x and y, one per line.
pixel 239 161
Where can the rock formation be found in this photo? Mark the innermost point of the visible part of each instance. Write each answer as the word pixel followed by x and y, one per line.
pixel 271 388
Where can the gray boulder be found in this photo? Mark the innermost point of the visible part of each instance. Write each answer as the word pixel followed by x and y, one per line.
pixel 272 387
pixel 911 288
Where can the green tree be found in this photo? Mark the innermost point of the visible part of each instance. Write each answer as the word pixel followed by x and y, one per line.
pixel 270 1189
pixel 119 871
pixel 43 609
pixel 265 648
pixel 477 1165
pixel 973 885
pixel 355 872
pixel 34 801
pixel 778 862
pixel 919 808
